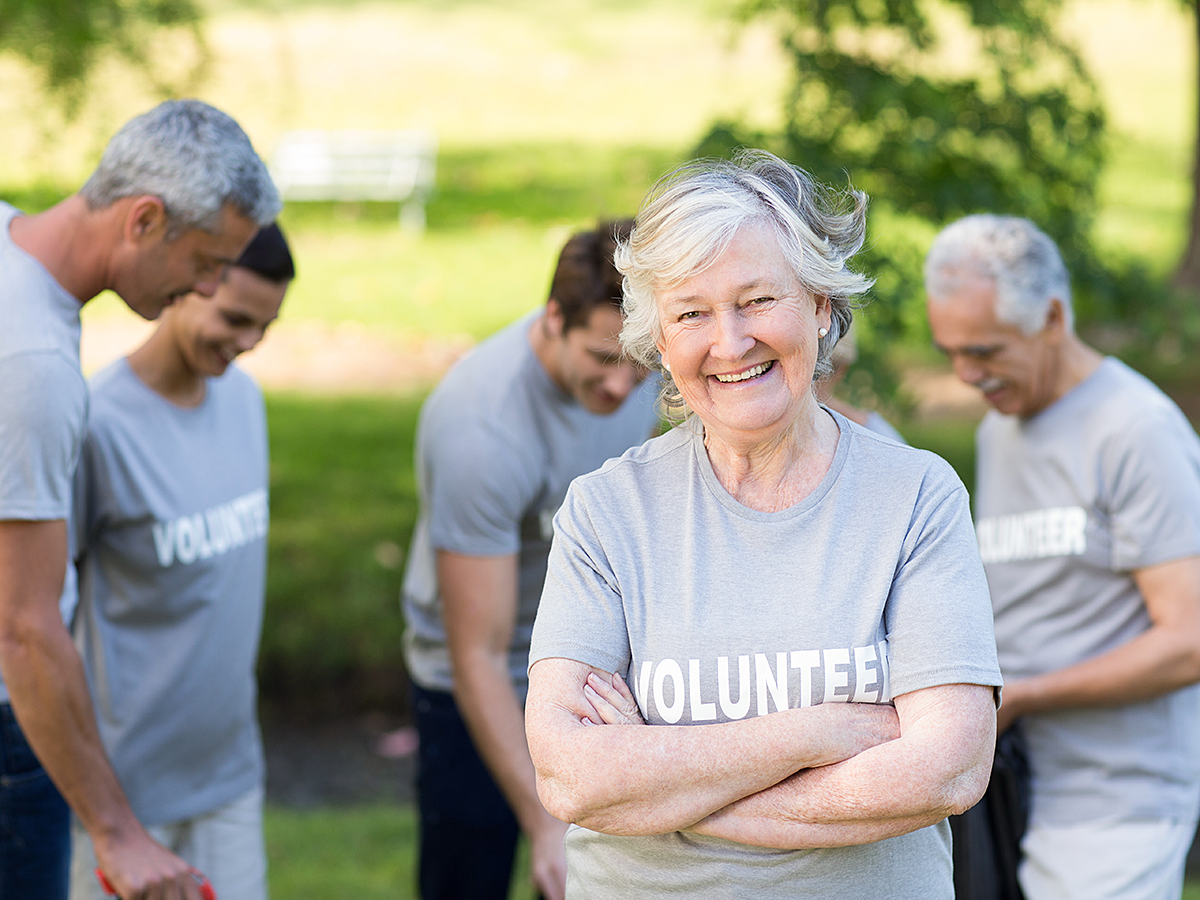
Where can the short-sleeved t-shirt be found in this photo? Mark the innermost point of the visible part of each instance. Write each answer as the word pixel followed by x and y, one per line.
pixel 869 588
pixel 171 523
pixel 43 401
pixel 1070 504
pixel 498 442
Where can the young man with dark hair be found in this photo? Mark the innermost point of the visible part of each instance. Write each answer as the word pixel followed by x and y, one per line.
pixel 170 518
pixel 544 400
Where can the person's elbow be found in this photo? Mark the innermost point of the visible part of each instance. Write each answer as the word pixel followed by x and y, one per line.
pixel 26 627
pixel 578 799
pixel 955 745
pixel 554 791
pixel 967 788
pixel 1189 662
pixel 548 749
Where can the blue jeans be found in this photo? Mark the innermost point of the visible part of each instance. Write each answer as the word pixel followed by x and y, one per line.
pixel 468 833
pixel 35 836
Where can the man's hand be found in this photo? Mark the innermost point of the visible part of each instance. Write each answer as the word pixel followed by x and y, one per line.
pixel 140 868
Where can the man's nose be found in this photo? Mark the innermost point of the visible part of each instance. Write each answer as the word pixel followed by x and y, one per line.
pixel 622 379
pixel 967 369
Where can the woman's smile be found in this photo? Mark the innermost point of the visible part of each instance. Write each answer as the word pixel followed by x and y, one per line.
pixel 752 372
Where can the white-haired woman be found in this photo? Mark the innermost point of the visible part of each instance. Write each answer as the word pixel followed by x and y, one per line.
pixel 747 570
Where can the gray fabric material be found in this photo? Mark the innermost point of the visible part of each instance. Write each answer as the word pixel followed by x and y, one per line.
pixel 171 518
pixel 43 402
pixel 1069 504
pixel 869 588
pixel 497 445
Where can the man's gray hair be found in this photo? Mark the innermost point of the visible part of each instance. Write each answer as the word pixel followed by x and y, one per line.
pixel 1012 253
pixel 191 156
pixel 692 214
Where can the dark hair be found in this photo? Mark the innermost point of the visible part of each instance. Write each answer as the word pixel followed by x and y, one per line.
pixel 586 276
pixel 268 255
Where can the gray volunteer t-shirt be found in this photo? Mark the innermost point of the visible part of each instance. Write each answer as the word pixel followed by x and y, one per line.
pixel 869 588
pixel 43 396
pixel 171 522
pixel 497 445
pixel 1069 504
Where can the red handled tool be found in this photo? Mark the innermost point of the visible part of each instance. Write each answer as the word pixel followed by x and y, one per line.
pixel 206 888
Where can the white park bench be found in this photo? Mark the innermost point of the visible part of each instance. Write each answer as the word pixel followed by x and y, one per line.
pixel 393 166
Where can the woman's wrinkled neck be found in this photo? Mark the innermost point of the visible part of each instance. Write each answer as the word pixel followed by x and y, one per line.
pixel 779 471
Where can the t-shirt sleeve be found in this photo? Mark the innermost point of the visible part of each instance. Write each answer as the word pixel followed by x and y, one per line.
pixel 581 615
pixel 1152 468
pixel 939 613
pixel 478 489
pixel 43 406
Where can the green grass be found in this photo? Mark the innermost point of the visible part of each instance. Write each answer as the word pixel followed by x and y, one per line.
pixel 343 503
pixel 362 852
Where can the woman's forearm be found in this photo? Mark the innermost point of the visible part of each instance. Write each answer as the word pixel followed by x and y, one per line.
pixel 652 780
pixel 938 767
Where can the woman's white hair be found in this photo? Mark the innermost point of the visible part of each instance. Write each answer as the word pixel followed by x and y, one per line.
pixel 692 214
pixel 1012 253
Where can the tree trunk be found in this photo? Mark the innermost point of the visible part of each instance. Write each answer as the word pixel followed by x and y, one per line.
pixel 1187 276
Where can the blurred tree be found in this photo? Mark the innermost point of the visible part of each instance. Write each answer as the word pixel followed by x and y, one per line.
pixel 937 110
pixel 63 39
pixel 1187 276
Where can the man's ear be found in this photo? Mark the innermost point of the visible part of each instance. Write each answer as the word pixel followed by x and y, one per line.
pixel 145 220
pixel 554 319
pixel 1056 319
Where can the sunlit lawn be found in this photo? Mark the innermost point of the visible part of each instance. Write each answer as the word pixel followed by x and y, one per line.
pixel 363 852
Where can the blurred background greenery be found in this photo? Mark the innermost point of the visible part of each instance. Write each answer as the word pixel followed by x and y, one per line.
pixel 550 114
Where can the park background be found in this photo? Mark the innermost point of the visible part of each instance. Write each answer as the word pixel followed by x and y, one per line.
pixel 549 114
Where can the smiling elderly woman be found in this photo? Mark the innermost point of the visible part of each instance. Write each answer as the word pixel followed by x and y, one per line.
pixel 798 604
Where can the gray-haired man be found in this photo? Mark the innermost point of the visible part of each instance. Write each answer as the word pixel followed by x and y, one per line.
pixel 178 194
pixel 1087 509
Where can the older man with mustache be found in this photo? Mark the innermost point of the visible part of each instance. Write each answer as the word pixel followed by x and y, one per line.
pixel 1087 508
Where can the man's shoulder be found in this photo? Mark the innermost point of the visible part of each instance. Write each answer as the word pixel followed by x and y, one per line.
pixel 1127 407
pixel 111 390
pixel 488 391
pixel 38 313
pixel 45 382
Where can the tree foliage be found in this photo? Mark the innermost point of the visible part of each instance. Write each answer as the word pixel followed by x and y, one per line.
pixel 1187 275
pixel 937 110
pixel 63 39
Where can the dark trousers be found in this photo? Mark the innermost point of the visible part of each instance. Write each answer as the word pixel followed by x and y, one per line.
pixel 35 835
pixel 468 834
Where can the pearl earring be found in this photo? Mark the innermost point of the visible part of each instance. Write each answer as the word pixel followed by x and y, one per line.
pixel 822 331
